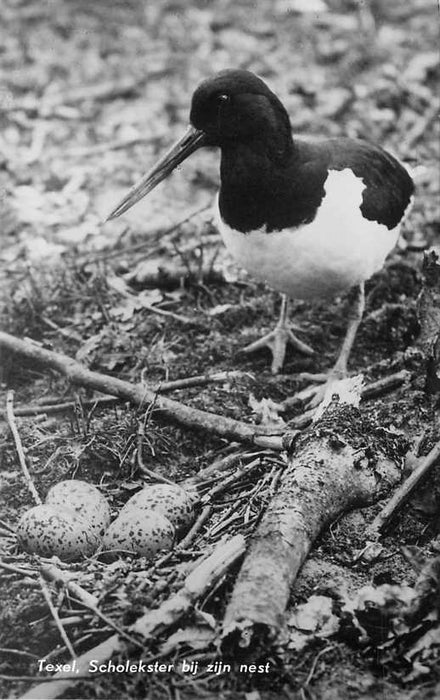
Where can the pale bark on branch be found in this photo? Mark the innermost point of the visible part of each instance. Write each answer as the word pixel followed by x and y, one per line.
pixel 342 462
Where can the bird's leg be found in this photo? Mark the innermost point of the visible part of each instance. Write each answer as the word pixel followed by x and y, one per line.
pixel 354 319
pixel 277 339
pixel 314 394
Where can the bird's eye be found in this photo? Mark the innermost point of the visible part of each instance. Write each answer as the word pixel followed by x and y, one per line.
pixel 222 98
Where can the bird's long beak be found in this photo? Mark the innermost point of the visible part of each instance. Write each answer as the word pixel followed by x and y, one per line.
pixel 190 142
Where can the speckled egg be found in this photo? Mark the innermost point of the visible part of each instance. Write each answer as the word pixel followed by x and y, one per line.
pixel 83 498
pixel 138 532
pixel 170 500
pixel 50 530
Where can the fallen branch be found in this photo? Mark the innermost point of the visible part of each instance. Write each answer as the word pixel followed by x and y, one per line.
pixel 141 395
pixel 19 447
pixel 428 316
pixel 105 401
pixel 50 572
pixel 403 493
pixel 56 617
pixel 370 391
pixel 342 462
pixel 197 583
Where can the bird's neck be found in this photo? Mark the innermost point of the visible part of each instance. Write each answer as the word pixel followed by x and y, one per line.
pixel 255 185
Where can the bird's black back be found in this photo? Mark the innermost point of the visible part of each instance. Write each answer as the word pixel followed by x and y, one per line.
pixel 259 192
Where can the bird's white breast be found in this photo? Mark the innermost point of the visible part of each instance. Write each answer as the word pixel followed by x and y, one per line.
pixel 337 250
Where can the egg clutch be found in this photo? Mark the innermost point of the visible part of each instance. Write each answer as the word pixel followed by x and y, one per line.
pixel 75 521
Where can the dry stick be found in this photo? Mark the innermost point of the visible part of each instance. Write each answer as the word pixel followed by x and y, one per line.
pixel 7 526
pixel 70 335
pixel 207 507
pixel 192 533
pixel 386 384
pixel 150 473
pixel 18 652
pixel 161 387
pixel 54 408
pixel 196 584
pixel 201 380
pixel 5 533
pixel 213 470
pixel 403 493
pixel 17 570
pixel 373 390
pixel 140 395
pixel 201 579
pixel 190 484
pixel 225 483
pixel 343 461
pixel 56 617
pixel 52 573
pixel 19 447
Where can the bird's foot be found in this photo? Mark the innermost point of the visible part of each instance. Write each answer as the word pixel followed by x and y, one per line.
pixel 277 341
pixel 314 393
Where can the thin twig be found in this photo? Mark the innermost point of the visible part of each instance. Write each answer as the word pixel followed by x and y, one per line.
pixel 404 492
pixel 218 466
pixel 315 663
pixel 18 652
pixel 385 385
pixel 195 529
pixel 225 483
pixel 49 679
pixel 200 380
pixel 17 570
pixel 139 452
pixel 52 573
pixel 373 390
pixel 7 526
pixel 19 447
pixel 51 409
pixel 56 617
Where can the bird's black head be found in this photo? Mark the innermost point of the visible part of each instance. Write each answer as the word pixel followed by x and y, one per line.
pixel 235 106
pixel 229 110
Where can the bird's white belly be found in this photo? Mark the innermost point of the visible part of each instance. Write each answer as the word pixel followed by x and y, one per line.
pixel 337 250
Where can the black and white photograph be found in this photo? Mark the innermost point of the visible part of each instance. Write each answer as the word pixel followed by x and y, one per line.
pixel 219 350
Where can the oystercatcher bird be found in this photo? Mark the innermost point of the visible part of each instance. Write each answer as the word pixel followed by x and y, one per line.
pixel 312 218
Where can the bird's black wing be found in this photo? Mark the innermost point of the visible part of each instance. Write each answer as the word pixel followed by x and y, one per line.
pixel 388 185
